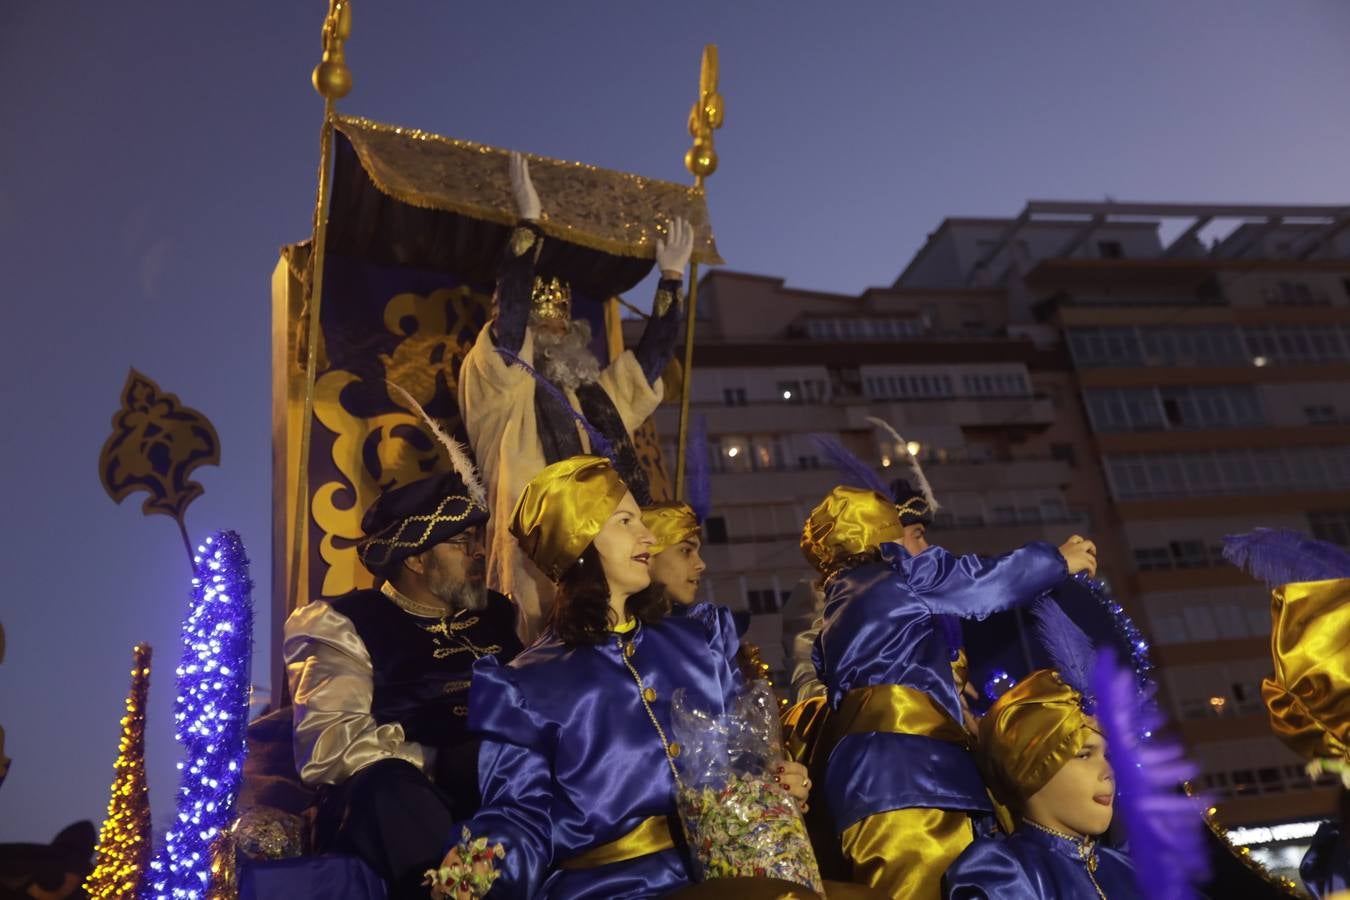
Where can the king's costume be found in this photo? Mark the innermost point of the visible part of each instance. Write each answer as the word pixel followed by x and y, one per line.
pixel 577 766
pixel 517 425
pixel 900 782
pixel 380 684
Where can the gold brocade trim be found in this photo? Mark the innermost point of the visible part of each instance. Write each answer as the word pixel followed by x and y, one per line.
pixel 651 836
pixel 451 687
pixel 1244 854
pixel 410 606
pixel 914 506
pixel 602 209
pixel 428 523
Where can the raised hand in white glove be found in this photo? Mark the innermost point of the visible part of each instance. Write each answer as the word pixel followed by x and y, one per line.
pixel 527 199
pixel 673 250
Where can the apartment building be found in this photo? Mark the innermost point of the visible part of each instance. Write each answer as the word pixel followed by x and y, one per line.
pixel 1153 375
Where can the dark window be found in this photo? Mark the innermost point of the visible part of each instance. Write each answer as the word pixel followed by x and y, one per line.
pixel 1064 453
pixel 1332 526
pixel 716 529
pixel 1110 250
pixel 761 602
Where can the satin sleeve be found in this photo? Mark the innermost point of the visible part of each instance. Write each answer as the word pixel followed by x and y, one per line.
pixel 975 587
pixel 806 667
pixel 987 871
pixel 515 777
pixel 656 347
pixel 332 682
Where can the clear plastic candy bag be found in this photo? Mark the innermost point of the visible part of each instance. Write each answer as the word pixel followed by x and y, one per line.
pixel 738 821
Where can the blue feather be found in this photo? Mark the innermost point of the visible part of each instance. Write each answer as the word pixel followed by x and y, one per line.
pixel 855 472
pixel 599 444
pixel 697 483
pixel 1164 827
pixel 1279 556
pixel 1069 648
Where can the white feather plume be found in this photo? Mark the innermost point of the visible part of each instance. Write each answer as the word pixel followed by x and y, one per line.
pixel 924 487
pixel 459 456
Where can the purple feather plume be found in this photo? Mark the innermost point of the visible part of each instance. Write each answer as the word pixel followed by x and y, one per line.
pixel 855 472
pixel 1164 827
pixel 599 444
pixel 697 483
pixel 1279 556
pixel 1069 648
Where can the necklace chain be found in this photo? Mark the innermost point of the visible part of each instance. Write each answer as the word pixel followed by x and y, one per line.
pixel 651 714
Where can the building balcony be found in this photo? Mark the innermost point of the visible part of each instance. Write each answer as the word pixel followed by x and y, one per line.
pixel 963 412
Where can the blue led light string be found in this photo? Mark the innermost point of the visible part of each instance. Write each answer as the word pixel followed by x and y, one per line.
pixel 210 717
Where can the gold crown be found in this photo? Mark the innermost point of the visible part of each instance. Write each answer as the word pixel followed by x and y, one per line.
pixel 551 299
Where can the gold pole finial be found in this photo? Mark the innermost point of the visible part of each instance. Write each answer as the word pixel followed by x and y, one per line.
pixel 704 118
pixel 332 79
pixel 701 160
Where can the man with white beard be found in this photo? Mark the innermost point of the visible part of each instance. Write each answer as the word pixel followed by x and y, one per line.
pixel 519 422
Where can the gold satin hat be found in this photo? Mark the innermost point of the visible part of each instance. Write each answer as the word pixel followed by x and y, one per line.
pixel 1029 734
pixel 671 523
pixel 563 508
pixel 1309 697
pixel 847 522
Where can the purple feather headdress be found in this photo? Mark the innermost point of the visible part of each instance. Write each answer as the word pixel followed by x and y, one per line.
pixel 855 472
pixel 697 483
pixel 1164 827
pixel 1069 648
pixel 599 444
pixel 1279 556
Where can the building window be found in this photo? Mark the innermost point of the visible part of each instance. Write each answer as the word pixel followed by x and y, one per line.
pixel 790 391
pixel 734 396
pixel 715 527
pixel 1110 250
pixel 1332 526
pixel 1320 415
pixel 763 601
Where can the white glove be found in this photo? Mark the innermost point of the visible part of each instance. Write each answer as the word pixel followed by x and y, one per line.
pixel 673 250
pixel 527 199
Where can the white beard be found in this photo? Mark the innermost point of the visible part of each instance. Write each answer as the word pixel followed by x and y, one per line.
pixel 566 359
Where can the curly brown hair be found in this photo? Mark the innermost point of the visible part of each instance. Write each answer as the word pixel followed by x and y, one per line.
pixel 580 612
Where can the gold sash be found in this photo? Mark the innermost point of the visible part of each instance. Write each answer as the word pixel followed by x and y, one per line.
pixel 651 836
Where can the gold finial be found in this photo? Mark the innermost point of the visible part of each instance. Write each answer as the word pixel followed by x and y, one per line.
pixel 332 79
pixel 704 118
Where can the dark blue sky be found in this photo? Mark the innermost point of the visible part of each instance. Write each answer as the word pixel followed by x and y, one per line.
pixel 155 155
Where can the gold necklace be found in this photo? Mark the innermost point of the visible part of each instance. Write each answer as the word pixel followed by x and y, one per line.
pixel 1086 852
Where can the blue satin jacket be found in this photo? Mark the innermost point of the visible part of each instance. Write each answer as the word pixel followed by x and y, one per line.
pixel 884 625
pixel 1326 866
pixel 571 760
pixel 1031 864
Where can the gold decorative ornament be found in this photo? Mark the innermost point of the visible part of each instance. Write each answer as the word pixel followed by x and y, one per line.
pixel 550 300
pixel 155 446
pixel 331 77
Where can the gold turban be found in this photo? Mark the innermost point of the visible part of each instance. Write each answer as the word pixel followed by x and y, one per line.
pixel 847 522
pixel 1029 734
pixel 671 523
pixel 563 508
pixel 1309 697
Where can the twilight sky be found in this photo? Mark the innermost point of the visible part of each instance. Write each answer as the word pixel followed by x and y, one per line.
pixel 157 154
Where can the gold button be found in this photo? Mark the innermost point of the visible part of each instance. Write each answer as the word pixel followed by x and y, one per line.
pixel 674 749
pixel 649 694
pixel 629 650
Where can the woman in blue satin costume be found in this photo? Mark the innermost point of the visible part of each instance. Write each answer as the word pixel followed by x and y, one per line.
pixel 1046 758
pixel 900 783
pixel 577 764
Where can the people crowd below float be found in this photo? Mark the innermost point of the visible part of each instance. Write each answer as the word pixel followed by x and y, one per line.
pixel 1045 757
pixel 380 680
pixel 900 783
pixel 578 768
pixel 518 422
pixel 678 567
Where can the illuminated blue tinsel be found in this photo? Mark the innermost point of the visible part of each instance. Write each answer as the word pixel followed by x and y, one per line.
pixel 1128 632
pixel 210 717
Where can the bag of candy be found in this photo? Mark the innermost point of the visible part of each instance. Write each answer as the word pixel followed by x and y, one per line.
pixel 739 822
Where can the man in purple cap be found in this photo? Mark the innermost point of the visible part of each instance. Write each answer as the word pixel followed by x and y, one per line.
pixel 380 680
